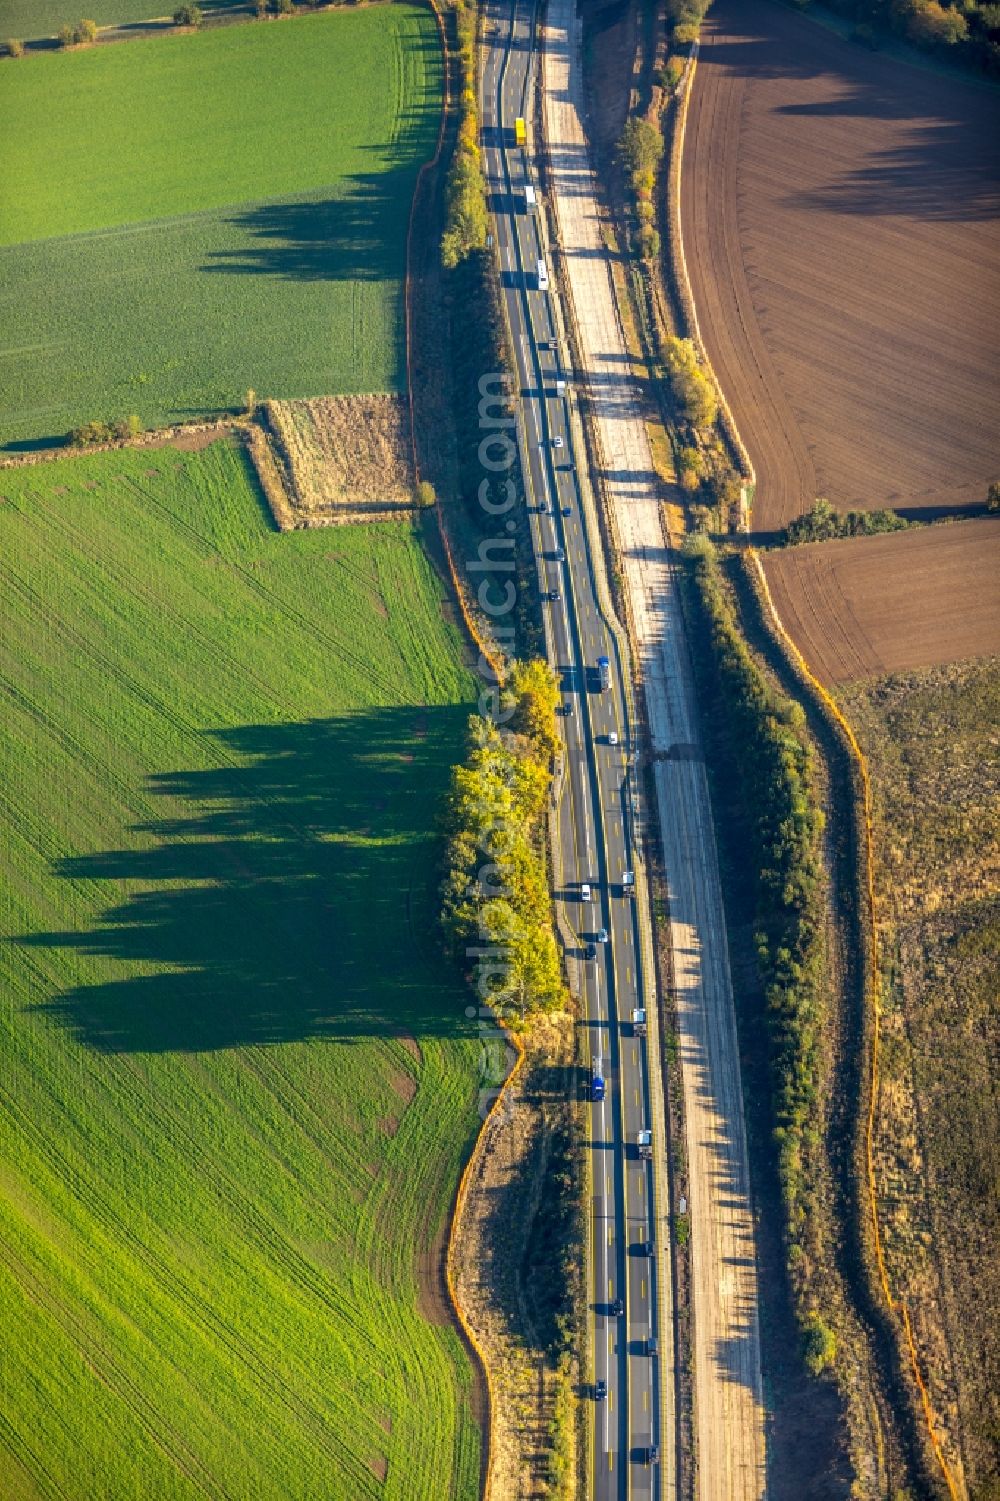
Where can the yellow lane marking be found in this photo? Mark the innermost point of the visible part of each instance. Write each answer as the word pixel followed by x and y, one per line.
pixel 609 1287
pixel 642 1287
pixel 637 1097
pixel 645 1401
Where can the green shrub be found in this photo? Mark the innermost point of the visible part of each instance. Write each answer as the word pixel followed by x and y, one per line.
pixel 691 387
pixel 932 25
pixel 648 242
pixel 92 432
pixel 673 71
pixel 15 48
pixel 823 523
pixel 188 15
pixel 820 1345
pixel 640 147
pixel 67 36
pixel 86 31
pixel 993 496
pixel 424 495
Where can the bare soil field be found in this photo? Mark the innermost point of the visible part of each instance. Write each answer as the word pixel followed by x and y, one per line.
pixel 347 458
pixel 866 606
pixel 840 220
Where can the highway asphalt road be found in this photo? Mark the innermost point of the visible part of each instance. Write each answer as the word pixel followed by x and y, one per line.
pixel 594 817
pixel 729 1409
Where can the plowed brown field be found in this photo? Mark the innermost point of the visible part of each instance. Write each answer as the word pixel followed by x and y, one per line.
pixel 867 606
pixel 840 221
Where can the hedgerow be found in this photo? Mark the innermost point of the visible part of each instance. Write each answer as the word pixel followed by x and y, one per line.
pixel 774 781
pixel 466 222
pixel 496 907
pixel 822 523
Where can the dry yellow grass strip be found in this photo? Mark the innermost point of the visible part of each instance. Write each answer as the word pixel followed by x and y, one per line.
pixel 347 458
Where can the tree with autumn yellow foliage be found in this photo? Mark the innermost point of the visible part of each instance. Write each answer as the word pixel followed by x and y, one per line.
pixel 496 905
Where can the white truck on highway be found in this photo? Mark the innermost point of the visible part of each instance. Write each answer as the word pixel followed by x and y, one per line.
pixel 543 276
pixel 639 1021
pixel 644 1142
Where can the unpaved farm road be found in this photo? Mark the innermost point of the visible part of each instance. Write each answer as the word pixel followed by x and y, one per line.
pixel 729 1410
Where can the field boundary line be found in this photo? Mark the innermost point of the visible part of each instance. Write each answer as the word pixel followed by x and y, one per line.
pixel 893 1304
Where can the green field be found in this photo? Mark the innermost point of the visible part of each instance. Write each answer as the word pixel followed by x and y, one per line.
pixel 28 19
pixel 219 963
pixel 234 202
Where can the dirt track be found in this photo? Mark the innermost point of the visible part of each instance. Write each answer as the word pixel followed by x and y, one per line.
pixel 840 220
pixel 872 605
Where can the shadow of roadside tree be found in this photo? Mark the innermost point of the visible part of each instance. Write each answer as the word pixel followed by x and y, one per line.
pixel 288 892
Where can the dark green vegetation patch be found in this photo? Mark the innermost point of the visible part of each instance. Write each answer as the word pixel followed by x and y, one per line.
pixel 234 202
pixel 236 1089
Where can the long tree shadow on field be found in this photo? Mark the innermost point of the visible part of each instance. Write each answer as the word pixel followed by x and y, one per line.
pixel 355 237
pixel 944 164
pixel 289 892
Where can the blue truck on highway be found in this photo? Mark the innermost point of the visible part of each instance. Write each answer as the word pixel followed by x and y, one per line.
pixel 604 673
pixel 597 1080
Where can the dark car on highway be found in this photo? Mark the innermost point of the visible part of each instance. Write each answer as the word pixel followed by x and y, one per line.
pixel 600 1391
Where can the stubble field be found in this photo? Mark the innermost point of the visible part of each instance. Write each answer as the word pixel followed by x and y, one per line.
pixel 236 1082
pixel 192 215
pixel 931 739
